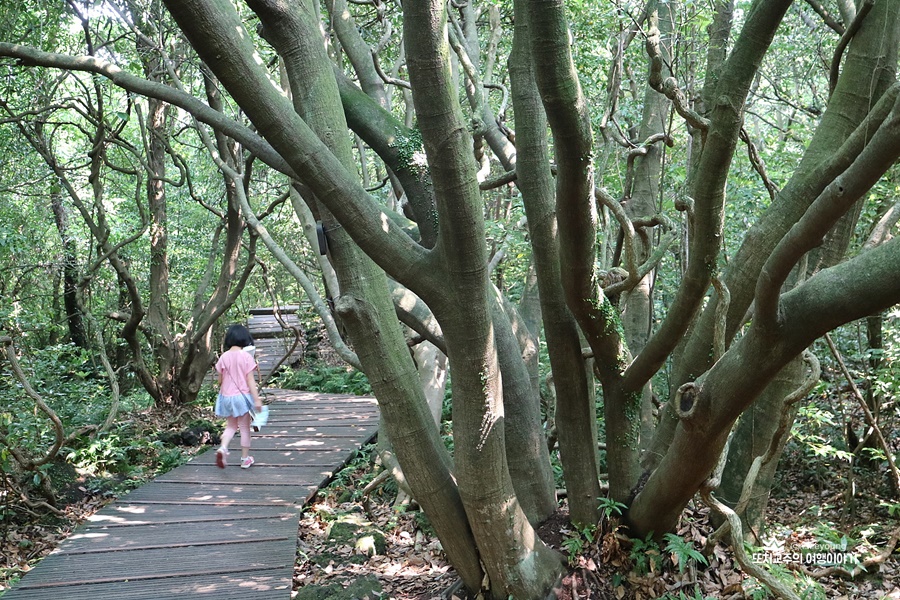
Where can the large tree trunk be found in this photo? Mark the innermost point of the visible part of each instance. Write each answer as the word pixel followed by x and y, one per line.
pixel 516 561
pixel 364 305
pixel 158 304
pixel 526 447
pixel 569 121
pixel 574 413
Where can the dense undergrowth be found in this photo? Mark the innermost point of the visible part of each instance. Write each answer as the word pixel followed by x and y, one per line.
pixel 46 491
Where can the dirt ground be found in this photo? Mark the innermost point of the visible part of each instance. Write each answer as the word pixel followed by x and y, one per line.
pixel 610 566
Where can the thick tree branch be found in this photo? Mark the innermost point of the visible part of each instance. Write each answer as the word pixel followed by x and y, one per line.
pixel 224 45
pixel 835 70
pixel 829 20
pixel 361 56
pixel 880 153
pixel 416 315
pixel 399 147
pixel 830 298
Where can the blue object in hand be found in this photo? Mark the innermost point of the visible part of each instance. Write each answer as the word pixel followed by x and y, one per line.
pixel 260 418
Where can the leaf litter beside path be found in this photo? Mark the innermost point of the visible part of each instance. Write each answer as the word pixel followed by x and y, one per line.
pixel 409 564
pixel 412 564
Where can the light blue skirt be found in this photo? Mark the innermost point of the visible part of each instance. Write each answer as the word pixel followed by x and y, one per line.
pixel 233 406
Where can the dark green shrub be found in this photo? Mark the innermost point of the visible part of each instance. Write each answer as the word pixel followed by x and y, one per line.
pixel 325 379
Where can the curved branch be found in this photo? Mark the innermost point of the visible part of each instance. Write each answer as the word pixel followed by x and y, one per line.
pixel 835 70
pixel 415 314
pixel 633 154
pixel 385 77
pixel 758 165
pixel 58 429
pixel 812 378
pixel 836 26
pixel 31 57
pixel 669 86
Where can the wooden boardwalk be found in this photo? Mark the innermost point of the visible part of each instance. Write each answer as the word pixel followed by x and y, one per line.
pixel 200 531
pixel 272 341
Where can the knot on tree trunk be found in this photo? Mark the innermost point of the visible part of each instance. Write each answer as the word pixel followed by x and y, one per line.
pixel 349 307
pixel 686 400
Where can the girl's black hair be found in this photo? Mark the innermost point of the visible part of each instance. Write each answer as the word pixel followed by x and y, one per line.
pixel 238 335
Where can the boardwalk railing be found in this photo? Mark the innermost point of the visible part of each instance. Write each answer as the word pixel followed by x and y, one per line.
pixel 200 531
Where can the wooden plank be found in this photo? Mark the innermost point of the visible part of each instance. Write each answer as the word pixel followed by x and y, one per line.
pixel 216 494
pixel 366 413
pixel 268 310
pixel 201 530
pixel 313 432
pixel 166 535
pixel 324 424
pixel 124 514
pixel 305 444
pixel 282 457
pixel 256 475
pixel 284 339
pixel 255 584
pixel 60 570
pixel 256 320
pixel 327 415
pixel 289 318
pixel 317 399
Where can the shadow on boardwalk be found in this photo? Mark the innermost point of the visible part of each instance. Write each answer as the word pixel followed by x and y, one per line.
pixel 202 531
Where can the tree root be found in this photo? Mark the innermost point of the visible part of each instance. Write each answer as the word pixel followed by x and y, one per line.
pixel 733 521
pixel 737 545
pixel 371 487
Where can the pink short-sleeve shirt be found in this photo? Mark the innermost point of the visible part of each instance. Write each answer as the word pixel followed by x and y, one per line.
pixel 234 366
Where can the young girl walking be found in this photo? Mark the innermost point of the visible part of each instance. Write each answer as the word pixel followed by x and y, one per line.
pixel 238 394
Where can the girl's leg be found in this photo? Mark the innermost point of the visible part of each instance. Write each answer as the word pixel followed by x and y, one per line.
pixel 244 423
pixel 231 427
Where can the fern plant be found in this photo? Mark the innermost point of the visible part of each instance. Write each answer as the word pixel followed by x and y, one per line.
pixel 682 552
pixel 610 508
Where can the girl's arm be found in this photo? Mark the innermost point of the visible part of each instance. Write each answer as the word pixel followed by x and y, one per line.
pixel 251 383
